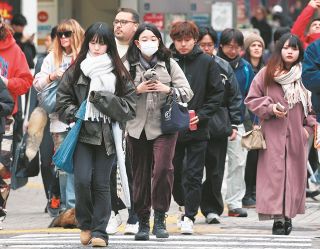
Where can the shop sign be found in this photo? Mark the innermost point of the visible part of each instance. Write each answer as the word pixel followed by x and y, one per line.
pixel 6 10
pixel 155 18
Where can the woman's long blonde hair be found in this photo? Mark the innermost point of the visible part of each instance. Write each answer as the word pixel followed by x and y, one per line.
pixel 76 40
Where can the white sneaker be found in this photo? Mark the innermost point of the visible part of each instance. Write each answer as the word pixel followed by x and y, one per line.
pixel 131 229
pixel 186 226
pixel 180 215
pixel 114 223
pixel 212 218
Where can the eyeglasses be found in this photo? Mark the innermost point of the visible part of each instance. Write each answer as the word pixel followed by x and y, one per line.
pixel 208 45
pixel 66 34
pixel 122 22
pixel 232 47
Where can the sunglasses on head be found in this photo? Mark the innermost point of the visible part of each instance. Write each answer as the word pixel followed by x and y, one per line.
pixel 66 34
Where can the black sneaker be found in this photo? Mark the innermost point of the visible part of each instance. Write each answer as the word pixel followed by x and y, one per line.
pixel 237 212
pixel 144 229
pixel 287 226
pixel 248 202
pixel 278 228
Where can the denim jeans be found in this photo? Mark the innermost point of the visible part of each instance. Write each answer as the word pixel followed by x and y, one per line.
pixel 237 156
pixel 66 180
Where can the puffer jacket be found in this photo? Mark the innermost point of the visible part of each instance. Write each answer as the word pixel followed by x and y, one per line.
pixel 121 109
pixel 311 74
pixel 203 75
pixel 6 105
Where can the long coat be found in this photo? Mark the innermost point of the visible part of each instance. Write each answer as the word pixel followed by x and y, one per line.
pixel 281 170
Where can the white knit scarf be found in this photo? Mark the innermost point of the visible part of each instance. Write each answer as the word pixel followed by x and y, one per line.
pixel 99 70
pixel 294 90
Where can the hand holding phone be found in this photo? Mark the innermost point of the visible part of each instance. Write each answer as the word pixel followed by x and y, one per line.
pixel 280 107
pixel 279 110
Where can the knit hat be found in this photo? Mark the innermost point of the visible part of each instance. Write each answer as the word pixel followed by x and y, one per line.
pixel 252 38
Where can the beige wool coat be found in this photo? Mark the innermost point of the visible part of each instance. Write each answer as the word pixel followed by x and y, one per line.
pixel 281 170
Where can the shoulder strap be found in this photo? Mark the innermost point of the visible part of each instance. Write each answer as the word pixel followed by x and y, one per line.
pixel 132 71
pixel 168 66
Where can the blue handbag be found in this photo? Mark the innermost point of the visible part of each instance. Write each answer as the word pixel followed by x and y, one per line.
pixel 63 157
pixel 47 97
pixel 174 116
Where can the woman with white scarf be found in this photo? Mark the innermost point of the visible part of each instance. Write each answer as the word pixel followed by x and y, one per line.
pixel 99 77
pixel 282 103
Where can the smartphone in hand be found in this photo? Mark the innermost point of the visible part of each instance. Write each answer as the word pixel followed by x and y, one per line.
pixel 280 107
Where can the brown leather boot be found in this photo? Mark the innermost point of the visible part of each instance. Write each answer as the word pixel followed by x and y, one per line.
pixel 85 237
pixel 98 242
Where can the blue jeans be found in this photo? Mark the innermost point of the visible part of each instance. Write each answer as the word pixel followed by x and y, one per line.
pixel 67 196
pixel 66 180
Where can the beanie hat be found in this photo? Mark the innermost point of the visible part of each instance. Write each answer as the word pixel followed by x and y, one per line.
pixel 252 38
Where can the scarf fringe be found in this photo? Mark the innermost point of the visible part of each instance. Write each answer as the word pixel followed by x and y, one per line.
pixel 99 70
pixel 294 90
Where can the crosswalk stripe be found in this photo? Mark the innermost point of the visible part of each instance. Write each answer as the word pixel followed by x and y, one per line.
pixel 216 241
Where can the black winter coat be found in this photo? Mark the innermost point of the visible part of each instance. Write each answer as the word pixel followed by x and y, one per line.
pixel 232 95
pixel 204 78
pixel 71 95
pixel 6 105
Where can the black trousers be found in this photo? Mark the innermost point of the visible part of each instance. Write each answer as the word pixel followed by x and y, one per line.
pixel 116 202
pixel 212 201
pixel 92 169
pixel 188 175
pixel 50 177
pixel 251 174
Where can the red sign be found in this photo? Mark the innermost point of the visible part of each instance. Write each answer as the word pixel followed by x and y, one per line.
pixel 43 16
pixel 156 19
pixel 6 10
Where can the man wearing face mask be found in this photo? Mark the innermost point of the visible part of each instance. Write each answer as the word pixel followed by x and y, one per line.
pixel 125 24
pixel 18 24
pixel 204 78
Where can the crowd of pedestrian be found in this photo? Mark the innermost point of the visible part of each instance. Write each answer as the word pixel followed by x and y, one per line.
pixel 118 82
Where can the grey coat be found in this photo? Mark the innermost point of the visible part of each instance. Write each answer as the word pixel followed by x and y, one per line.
pixel 150 120
pixel 71 95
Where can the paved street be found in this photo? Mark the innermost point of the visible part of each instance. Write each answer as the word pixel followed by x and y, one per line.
pixel 69 240
pixel 26 227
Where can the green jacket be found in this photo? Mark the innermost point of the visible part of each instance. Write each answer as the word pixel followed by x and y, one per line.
pixel 71 95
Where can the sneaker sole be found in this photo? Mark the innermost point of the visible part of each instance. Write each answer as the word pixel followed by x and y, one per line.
pixel 187 233
pixel 165 236
pixel 99 244
pixel 238 215
pixel 213 221
pixel 249 206
pixel 142 238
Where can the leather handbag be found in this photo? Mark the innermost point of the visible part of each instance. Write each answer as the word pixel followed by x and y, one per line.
pixel 21 168
pixel 253 140
pixel 47 97
pixel 220 124
pixel 174 115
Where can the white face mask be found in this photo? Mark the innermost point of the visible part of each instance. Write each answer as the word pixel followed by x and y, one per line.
pixel 149 48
